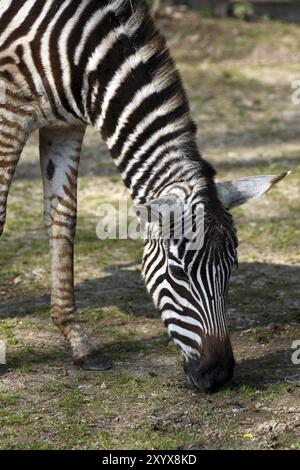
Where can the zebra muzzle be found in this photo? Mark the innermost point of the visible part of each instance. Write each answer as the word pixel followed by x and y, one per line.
pixel 213 369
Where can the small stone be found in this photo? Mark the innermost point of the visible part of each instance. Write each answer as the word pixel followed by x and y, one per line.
pixel 17 280
pixel 281 427
pixel 72 372
pixel 103 386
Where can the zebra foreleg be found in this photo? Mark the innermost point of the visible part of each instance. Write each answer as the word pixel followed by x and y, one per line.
pixel 13 137
pixel 14 129
pixel 60 154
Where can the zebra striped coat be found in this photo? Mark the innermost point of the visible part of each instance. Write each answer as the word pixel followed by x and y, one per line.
pixel 66 64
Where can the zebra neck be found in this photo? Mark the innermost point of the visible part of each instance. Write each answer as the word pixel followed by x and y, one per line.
pixel 136 99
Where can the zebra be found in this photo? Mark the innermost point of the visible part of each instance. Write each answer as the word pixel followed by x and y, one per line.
pixel 68 64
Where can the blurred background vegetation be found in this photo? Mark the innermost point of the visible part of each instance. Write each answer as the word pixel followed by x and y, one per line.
pixel 288 10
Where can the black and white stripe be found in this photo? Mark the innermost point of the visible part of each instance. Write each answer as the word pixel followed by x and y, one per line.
pixel 80 62
pixel 190 286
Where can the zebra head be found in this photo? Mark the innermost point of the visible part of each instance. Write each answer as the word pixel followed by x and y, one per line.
pixel 188 275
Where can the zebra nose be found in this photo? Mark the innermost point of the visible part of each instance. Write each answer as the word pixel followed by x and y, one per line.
pixel 209 373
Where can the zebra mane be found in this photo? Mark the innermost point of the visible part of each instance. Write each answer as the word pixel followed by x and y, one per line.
pixel 163 75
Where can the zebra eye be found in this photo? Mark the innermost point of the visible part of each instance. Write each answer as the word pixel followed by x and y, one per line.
pixel 177 272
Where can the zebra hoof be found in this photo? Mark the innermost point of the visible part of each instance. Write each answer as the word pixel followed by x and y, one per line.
pixel 93 361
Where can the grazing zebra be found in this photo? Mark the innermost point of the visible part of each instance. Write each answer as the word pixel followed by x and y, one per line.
pixel 66 64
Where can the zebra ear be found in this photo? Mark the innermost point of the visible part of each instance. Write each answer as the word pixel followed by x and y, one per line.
pixel 159 207
pixel 237 192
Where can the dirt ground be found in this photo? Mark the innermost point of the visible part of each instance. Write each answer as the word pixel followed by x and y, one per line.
pixel 238 76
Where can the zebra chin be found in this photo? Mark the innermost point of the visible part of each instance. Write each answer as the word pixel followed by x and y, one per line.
pixel 214 368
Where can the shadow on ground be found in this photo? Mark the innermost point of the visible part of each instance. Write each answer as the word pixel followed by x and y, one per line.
pixel 270 367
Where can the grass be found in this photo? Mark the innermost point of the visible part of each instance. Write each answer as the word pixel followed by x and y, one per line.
pixel 239 87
